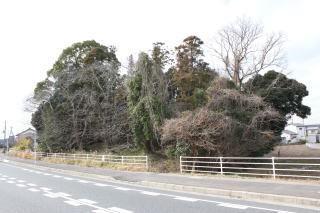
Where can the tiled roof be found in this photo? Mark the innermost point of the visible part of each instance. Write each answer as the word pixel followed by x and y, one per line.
pixel 25 131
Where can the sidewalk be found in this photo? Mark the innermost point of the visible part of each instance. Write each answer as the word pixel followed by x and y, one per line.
pixel 251 189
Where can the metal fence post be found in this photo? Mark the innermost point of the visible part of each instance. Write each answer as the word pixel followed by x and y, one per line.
pixel 180 164
pixel 87 156
pixel 273 168
pixel 122 160
pixel 221 166
pixel 103 157
pixel 147 164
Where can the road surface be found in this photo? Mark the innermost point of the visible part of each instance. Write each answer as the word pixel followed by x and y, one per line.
pixel 30 190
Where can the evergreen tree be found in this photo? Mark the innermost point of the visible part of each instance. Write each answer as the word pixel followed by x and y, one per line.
pixel 191 71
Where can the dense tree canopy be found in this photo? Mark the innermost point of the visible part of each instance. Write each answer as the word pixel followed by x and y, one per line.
pixel 282 93
pixel 85 106
pixel 173 107
pixel 82 53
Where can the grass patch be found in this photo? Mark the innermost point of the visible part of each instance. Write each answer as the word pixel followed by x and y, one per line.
pixel 94 164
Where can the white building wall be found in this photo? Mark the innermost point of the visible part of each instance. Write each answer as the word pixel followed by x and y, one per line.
pixel 301 131
pixel 312 138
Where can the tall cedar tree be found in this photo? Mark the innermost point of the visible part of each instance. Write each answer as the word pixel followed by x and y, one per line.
pixel 191 71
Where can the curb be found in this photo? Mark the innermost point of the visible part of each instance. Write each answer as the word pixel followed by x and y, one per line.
pixel 250 196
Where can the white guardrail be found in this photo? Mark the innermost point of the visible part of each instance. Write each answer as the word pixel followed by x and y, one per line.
pixel 114 159
pixel 253 166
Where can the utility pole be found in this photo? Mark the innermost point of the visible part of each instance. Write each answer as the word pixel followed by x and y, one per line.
pixel 11 137
pixel 4 135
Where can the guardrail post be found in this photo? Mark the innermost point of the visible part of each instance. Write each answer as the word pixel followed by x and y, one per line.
pixel 273 168
pixel 147 164
pixel 87 156
pixel 122 160
pixel 221 166
pixel 180 164
pixel 55 155
pixel 103 158
pixel 74 156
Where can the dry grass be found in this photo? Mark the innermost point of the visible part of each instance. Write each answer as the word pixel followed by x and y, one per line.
pixel 25 155
pixel 95 164
pixel 85 163
pixel 300 150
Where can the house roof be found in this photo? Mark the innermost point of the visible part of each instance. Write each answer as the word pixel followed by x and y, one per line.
pixel 289 132
pixel 29 129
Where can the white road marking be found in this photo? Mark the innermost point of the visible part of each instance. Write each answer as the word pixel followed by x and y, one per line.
pixel 31 184
pixel 20 185
pixel 83 181
pixel 73 203
pixel 284 212
pixel 122 189
pixel 68 178
pixel 51 195
pixel 56 176
pixel 33 190
pixel 186 199
pixel 45 188
pixel 88 201
pixel 10 181
pixel 79 202
pixel 62 194
pixel 99 211
pixel 21 181
pixel 12 178
pixel 110 210
pixel 100 184
pixel 47 174
pixel 150 193
pixel 3 179
pixel 231 205
pixel 118 210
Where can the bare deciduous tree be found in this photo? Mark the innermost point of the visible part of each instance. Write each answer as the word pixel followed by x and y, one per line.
pixel 245 50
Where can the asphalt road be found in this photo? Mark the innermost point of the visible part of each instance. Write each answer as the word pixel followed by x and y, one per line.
pixel 29 190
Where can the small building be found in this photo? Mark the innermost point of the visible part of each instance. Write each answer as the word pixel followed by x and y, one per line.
pixel 288 136
pixel 296 132
pixel 310 133
pixel 29 133
pixel 3 143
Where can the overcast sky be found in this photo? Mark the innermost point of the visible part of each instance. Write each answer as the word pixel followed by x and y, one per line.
pixel 33 33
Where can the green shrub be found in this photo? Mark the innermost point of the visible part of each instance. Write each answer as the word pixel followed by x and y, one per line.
pixel 24 145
